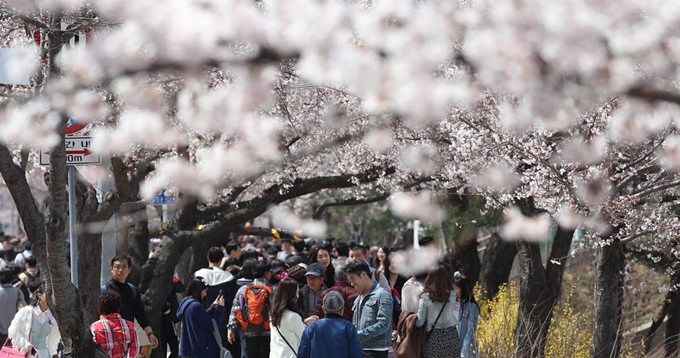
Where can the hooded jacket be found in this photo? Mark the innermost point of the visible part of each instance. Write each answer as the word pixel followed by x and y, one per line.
pixel 348 292
pixel 197 339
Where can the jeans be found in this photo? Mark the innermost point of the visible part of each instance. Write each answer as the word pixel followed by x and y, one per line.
pixel 257 347
pixel 375 354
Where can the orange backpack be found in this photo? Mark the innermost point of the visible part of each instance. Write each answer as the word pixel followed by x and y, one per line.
pixel 254 312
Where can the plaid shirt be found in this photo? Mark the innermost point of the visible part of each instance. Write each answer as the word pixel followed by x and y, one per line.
pixel 125 331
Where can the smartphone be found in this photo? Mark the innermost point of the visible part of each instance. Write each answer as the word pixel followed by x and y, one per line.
pixel 219 294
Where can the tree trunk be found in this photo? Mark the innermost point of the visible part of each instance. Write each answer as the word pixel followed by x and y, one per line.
pixel 68 309
pixel 496 265
pixel 89 271
pixel 673 323
pixel 199 252
pixel 138 246
pixel 608 301
pixel 535 311
pixel 539 291
pixel 465 256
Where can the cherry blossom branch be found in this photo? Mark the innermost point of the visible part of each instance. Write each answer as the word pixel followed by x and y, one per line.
pixel 654 189
pixel 635 236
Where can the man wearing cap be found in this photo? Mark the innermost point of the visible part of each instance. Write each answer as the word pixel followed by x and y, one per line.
pixel 310 293
pixel 331 336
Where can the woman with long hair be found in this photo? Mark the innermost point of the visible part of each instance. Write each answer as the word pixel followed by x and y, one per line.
pixel 436 307
pixel 34 330
pixel 382 259
pixel 286 321
pixel 469 316
pixel 197 339
pixel 323 257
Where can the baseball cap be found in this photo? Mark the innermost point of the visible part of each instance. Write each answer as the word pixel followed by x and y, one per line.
pixel 333 302
pixel 314 269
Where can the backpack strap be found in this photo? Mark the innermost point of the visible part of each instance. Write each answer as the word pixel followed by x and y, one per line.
pixel 135 293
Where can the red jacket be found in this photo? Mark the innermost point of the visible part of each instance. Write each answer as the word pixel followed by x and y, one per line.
pixel 348 292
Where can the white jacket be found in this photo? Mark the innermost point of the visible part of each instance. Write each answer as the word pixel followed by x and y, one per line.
pixel 291 327
pixel 20 330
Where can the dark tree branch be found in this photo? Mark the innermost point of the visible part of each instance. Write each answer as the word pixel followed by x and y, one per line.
pixel 654 95
pixel 255 231
pixel 347 202
pixel 276 194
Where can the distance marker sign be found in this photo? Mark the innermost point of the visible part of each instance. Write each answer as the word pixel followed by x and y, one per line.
pixel 77 152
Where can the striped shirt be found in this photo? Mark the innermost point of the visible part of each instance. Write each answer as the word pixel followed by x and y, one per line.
pixel 125 332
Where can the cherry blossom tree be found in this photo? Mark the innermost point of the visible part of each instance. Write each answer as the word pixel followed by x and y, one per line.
pixel 560 112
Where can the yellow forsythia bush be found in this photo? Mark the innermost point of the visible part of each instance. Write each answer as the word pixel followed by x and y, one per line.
pixel 570 334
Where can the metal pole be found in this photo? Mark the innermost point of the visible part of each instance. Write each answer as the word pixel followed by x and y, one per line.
pixel 72 223
pixel 416 234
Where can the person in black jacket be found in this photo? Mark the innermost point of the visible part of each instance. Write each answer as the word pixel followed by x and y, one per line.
pixel 219 281
pixel 132 302
pixel 169 318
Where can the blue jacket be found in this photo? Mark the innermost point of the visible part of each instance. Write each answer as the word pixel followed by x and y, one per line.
pixel 330 337
pixel 469 317
pixel 197 339
pixel 373 318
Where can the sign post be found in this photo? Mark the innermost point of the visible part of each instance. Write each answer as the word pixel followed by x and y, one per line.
pixel 72 224
pixel 77 153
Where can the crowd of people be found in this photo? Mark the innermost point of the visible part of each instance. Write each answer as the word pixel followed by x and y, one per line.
pixel 295 298
pixel 260 298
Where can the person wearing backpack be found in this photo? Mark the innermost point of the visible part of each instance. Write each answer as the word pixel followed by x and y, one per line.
pixel 31 270
pixel 250 313
pixel 199 338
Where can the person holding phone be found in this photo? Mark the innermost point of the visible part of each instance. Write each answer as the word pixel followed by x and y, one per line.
pixel 197 339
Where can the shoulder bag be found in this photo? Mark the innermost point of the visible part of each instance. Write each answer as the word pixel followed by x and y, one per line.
pixel 224 353
pixel 285 340
pixel 429 333
pixel 122 348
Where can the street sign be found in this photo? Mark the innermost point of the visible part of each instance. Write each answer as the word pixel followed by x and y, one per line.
pixel 77 152
pixel 73 126
pixel 161 199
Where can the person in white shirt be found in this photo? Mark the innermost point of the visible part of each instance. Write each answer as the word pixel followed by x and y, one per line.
pixel 287 325
pixel 410 293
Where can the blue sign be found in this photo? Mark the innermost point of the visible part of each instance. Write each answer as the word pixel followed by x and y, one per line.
pixel 161 199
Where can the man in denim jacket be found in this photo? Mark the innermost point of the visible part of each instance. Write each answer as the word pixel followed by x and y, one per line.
pixel 372 311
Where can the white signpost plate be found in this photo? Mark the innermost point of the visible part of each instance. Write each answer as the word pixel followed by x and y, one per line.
pixel 77 152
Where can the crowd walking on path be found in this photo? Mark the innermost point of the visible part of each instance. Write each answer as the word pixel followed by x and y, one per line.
pixel 257 298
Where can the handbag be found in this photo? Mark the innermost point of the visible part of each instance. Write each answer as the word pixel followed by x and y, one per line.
pixel 224 353
pixel 429 333
pixel 11 352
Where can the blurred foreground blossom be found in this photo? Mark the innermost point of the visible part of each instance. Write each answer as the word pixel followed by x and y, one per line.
pixel 413 261
pixel 416 206
pixel 282 217
pixel 499 177
pixel 519 227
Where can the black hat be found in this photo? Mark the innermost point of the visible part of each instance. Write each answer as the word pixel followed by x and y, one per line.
pixel 425 240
